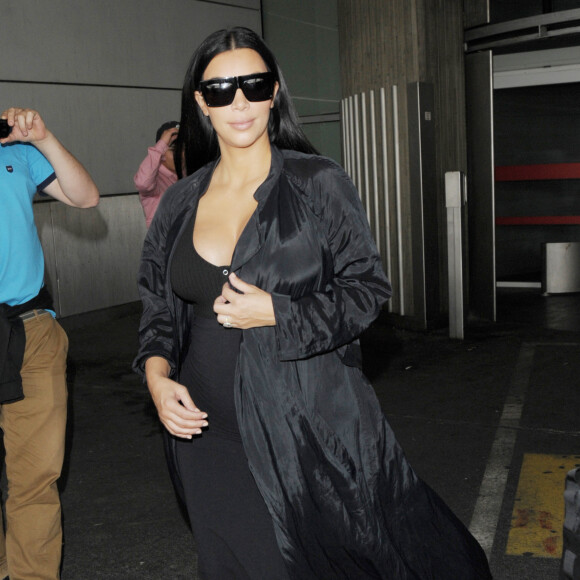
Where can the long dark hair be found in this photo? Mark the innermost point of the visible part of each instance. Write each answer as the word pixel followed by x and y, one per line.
pixel 197 142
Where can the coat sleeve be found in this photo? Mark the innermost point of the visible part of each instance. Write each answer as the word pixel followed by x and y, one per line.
pixel 156 329
pixel 352 297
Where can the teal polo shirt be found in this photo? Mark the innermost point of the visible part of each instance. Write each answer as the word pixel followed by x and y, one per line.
pixel 24 171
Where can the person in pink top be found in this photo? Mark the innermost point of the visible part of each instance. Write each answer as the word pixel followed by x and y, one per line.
pixel 157 171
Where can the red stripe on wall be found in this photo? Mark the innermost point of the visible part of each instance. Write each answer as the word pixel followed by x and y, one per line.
pixel 536 172
pixel 552 220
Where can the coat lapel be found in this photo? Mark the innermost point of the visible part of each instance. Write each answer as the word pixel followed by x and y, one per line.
pixel 253 236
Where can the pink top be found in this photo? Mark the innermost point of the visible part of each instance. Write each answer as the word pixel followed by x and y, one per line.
pixel 152 179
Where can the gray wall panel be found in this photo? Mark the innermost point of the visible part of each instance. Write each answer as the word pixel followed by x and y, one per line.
pixel 308 55
pixel 143 43
pixel 254 4
pixel 43 219
pixel 92 256
pixel 304 38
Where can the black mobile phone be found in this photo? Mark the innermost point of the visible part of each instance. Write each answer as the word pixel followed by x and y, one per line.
pixel 5 128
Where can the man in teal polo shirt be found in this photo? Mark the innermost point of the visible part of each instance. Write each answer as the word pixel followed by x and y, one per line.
pixel 33 346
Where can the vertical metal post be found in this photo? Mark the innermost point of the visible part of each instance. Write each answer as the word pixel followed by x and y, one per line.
pixel 454 200
pixel 386 196
pixel 357 172
pixel 352 139
pixel 365 158
pixel 398 199
pixel 345 135
pixel 375 161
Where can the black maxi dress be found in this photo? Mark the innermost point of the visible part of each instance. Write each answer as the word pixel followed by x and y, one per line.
pixel 233 530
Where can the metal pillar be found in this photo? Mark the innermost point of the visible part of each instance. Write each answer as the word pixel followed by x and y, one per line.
pixel 455 198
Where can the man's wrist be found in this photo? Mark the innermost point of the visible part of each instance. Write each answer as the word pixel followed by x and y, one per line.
pixel 46 142
pixel 161 146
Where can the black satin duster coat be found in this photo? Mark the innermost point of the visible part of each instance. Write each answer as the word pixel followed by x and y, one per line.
pixel 343 499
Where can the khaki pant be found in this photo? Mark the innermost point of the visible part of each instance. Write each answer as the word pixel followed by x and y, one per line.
pixel 34 439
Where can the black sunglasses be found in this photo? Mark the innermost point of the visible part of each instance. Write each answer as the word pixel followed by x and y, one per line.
pixel 220 92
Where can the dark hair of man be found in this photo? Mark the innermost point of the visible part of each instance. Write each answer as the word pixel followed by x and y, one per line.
pixel 197 142
pixel 164 127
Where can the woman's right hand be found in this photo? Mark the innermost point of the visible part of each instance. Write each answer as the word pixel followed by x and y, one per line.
pixel 175 407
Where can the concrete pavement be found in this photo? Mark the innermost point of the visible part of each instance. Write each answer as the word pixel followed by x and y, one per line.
pixel 451 404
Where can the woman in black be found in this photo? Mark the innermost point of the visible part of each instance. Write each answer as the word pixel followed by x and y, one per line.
pixel 258 274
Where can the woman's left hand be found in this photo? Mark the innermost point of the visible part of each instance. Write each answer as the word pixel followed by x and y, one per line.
pixel 248 307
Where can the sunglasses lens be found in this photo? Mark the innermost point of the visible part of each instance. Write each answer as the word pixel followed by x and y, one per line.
pixel 258 87
pixel 218 92
pixel 221 92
